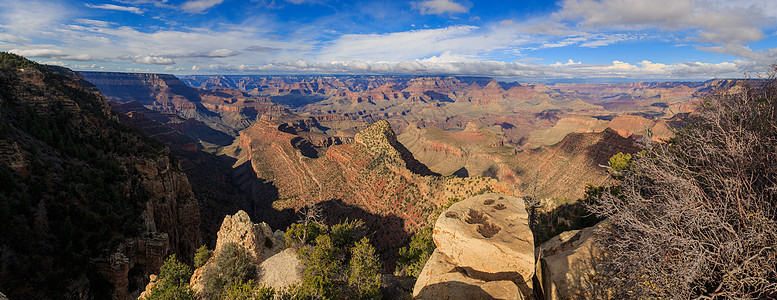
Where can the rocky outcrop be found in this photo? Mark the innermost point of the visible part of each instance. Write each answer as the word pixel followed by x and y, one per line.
pixel 566 262
pixel 485 249
pixel 280 267
pixel 238 229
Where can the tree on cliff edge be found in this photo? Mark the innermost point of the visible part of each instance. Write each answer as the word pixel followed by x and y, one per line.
pixel 696 217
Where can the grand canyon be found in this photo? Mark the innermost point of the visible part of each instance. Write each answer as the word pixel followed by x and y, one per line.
pixel 391 151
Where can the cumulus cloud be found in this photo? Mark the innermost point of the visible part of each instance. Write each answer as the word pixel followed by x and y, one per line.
pixel 439 7
pixel 131 9
pixel 152 60
pixel 198 6
pixel 568 63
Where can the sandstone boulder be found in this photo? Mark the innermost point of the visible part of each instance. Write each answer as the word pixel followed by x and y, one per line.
pixel 442 280
pixel 488 234
pixel 566 262
pixel 485 249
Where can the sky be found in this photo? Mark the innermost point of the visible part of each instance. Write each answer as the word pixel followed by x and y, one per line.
pixel 524 40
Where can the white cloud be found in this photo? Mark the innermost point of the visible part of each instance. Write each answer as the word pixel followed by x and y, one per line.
pixel 524 71
pixel 152 60
pixel 463 41
pixel 439 7
pixel 198 6
pixel 51 53
pixel 11 38
pixel 97 23
pixel 30 18
pixel 568 63
pixel 131 9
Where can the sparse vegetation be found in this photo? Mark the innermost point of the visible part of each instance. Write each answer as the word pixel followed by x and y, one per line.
pixel 201 256
pixel 413 257
pixel 248 290
pixel 696 217
pixel 232 266
pixel 339 260
pixel 173 281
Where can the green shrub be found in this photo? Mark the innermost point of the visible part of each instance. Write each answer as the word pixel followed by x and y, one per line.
pixel 233 265
pixel 299 233
pixel 322 268
pixel 347 233
pixel 248 290
pixel 201 256
pixel 413 257
pixel 173 282
pixel 339 261
pixel 363 274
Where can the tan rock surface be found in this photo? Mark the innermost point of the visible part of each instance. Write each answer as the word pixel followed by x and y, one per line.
pixel 281 270
pixel 565 261
pixel 488 234
pixel 238 228
pixel 442 280
pixel 153 280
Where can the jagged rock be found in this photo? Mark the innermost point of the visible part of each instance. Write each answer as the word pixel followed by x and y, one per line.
pixel 566 261
pixel 484 249
pixel 441 279
pixel 257 239
pixel 281 270
pixel 238 229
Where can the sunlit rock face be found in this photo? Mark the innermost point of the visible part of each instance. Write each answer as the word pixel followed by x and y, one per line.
pixel 485 249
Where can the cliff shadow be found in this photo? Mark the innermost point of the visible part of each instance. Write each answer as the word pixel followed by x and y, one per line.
pixel 453 290
pixel 608 145
pixel 387 233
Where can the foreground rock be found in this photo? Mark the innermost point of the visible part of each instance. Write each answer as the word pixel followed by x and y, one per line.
pixel 566 263
pixel 485 250
pixel 277 268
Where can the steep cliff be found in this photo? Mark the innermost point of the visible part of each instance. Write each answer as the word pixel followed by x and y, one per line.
pixel 92 206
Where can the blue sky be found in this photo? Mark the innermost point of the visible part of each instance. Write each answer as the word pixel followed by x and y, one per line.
pixel 527 40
